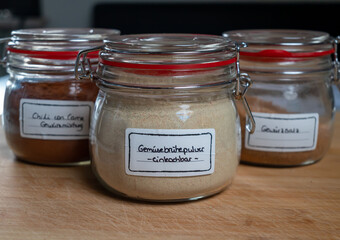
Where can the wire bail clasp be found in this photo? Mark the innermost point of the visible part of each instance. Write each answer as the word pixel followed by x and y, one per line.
pixel 3 56
pixel 243 82
pixel 83 67
pixel 336 60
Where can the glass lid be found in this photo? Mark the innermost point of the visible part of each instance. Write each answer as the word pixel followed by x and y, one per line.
pixel 168 43
pixel 58 39
pixel 64 34
pixel 278 36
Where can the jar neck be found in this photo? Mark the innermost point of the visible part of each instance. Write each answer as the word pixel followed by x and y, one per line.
pixel 41 64
pixel 33 76
pixel 319 77
pixel 163 95
pixel 166 78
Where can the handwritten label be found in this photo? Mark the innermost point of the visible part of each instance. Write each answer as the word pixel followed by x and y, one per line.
pixel 53 119
pixel 283 132
pixel 169 152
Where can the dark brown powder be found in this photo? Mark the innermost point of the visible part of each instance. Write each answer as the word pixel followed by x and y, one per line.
pixel 283 159
pixel 40 150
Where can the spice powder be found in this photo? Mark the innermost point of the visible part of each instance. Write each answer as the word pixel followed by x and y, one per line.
pixel 120 112
pixel 282 158
pixel 45 151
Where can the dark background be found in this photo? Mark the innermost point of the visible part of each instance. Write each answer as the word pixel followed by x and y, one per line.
pixel 200 17
pixel 22 8
pixel 214 18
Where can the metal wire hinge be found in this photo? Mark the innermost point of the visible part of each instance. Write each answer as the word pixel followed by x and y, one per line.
pixel 83 68
pixel 243 82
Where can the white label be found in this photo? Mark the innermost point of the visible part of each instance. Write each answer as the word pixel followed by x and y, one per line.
pixel 52 119
pixel 284 132
pixel 169 152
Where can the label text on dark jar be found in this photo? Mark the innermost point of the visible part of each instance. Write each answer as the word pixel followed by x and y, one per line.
pixel 55 119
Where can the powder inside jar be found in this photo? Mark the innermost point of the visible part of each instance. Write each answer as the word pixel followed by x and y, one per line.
pixel 269 158
pixel 118 113
pixel 45 151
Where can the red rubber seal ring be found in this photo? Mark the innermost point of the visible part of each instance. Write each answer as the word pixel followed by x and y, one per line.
pixel 285 54
pixel 167 66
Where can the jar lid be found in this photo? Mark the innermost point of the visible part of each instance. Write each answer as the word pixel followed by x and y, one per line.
pixel 57 39
pixel 283 43
pixel 167 43
pixel 168 51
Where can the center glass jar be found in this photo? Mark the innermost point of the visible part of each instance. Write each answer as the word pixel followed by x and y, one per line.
pixel 291 99
pixel 165 127
pixel 46 110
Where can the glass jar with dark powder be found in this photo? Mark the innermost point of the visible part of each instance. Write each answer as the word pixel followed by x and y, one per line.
pixel 46 110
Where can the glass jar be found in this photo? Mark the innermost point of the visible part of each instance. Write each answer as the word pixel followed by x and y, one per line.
pixel 291 99
pixel 165 127
pixel 46 110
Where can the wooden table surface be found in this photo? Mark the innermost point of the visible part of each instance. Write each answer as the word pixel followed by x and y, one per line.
pixel 38 202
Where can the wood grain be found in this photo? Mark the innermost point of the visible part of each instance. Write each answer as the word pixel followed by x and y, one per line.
pixel 38 202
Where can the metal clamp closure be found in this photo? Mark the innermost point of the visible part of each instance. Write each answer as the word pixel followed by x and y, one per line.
pixel 3 56
pixel 83 68
pixel 336 60
pixel 243 82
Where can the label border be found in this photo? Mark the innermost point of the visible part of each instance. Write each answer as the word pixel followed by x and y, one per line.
pixel 171 135
pixel 284 118
pixel 55 105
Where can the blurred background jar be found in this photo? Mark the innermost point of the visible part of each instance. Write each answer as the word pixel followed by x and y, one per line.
pixel 47 111
pixel 165 126
pixel 291 99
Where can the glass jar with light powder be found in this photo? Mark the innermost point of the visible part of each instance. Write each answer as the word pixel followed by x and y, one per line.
pixel 165 126
pixel 292 98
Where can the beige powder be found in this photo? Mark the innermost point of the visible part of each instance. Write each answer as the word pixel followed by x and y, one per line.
pixel 121 112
